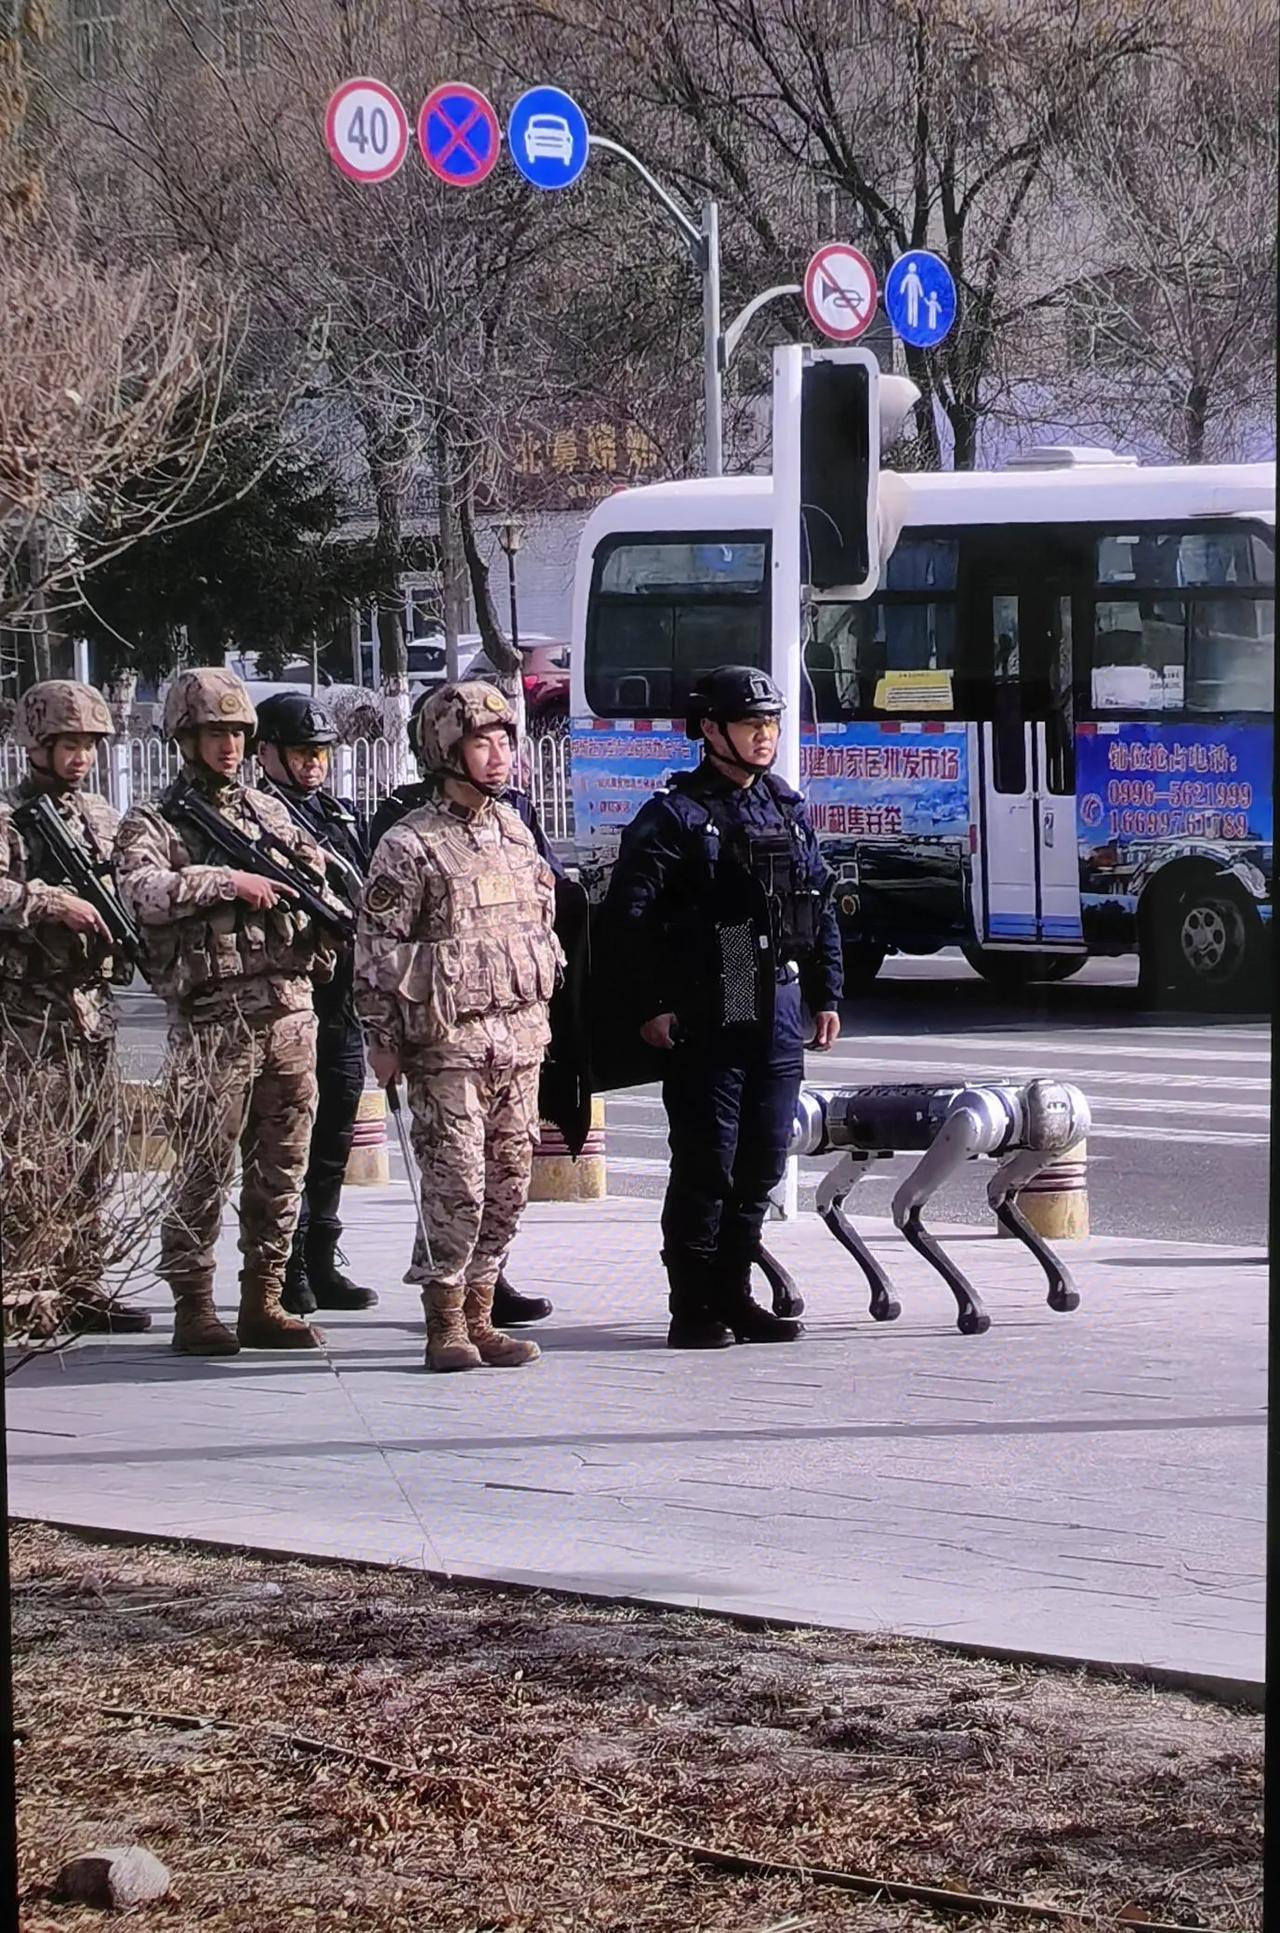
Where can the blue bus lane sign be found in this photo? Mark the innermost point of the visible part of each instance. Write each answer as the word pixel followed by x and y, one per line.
pixel 548 138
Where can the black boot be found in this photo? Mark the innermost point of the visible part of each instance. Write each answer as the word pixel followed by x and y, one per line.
pixel 329 1286
pixel 296 1295
pixel 748 1321
pixel 510 1307
pixel 693 1324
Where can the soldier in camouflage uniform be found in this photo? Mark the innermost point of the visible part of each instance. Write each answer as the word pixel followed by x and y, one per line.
pixel 56 964
pixel 456 962
pixel 510 1307
pixel 234 961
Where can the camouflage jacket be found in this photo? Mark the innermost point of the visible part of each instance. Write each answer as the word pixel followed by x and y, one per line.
pixel 456 957
pixel 207 953
pixel 48 974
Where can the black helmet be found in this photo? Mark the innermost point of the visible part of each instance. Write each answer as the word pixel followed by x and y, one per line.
pixel 292 718
pixel 730 693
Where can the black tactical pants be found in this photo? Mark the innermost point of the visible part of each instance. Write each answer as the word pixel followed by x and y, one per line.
pixel 730 1112
pixel 340 1080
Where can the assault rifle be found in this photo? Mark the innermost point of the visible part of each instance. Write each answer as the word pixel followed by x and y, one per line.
pixel 343 876
pixel 76 870
pixel 266 855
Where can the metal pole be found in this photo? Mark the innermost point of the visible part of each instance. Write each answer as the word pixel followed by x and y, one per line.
pixel 733 334
pixel 712 372
pixel 411 1169
pixel 704 247
pixel 786 615
pixel 511 600
pixel 680 216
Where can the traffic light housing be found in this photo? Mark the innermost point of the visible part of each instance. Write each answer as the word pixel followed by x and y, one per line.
pixel 839 470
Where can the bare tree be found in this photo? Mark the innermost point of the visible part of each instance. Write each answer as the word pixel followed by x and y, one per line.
pixel 1169 341
pixel 450 323
pixel 902 123
pixel 113 366
pixel 85 1160
pixel 107 373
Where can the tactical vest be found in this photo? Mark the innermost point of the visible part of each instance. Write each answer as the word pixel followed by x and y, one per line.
pixel 50 956
pixel 485 943
pixel 228 944
pixel 755 911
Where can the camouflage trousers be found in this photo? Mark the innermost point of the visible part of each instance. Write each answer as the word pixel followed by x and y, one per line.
pixel 57 1090
pixel 249 1083
pixel 474 1132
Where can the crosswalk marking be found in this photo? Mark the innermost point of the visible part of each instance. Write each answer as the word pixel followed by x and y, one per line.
pixel 870 1071
pixel 1072 1046
pixel 1100 1130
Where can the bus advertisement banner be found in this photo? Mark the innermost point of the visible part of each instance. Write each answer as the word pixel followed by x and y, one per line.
pixel 877 782
pixel 861 781
pixel 615 770
pixel 1138 782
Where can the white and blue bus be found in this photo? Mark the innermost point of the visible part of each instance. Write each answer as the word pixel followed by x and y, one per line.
pixel 1048 734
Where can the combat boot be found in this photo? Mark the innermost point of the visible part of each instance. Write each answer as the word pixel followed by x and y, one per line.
pixel 196 1328
pixel 330 1288
pixel 510 1307
pixel 499 1351
pixel 448 1344
pixel 748 1321
pixel 262 1322
pixel 693 1325
pixel 297 1296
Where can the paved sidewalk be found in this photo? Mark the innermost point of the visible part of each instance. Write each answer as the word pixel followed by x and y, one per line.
pixel 1086 1486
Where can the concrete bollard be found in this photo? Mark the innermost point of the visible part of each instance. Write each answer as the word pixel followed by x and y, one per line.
pixel 1056 1201
pixel 369 1163
pixel 558 1177
pixel 144 1151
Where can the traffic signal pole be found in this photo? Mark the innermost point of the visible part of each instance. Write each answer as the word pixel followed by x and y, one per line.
pixel 702 239
pixel 703 242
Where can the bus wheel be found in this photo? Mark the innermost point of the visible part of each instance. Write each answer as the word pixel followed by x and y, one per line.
pixel 1014 970
pixel 1202 943
pixel 863 959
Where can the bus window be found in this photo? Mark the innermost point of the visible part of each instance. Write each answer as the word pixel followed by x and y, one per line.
pixel 1207 649
pixel 1172 559
pixel 1231 654
pixel 1060 737
pixel 663 609
pixel 1009 737
pixel 1139 655
pixel 853 646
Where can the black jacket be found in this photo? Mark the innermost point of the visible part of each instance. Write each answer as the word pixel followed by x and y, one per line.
pixel 339 830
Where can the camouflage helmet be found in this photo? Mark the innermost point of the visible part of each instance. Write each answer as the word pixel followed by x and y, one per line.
pixel 59 708
pixel 209 696
pixel 449 714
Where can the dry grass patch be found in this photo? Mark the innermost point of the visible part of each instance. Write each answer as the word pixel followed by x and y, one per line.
pixel 394 1753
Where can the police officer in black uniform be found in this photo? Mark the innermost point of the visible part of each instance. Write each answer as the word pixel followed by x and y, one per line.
pixel 295 736
pixel 719 915
pixel 509 1306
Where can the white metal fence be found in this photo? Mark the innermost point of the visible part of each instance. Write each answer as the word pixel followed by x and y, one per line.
pixel 137 767
pixel 549 780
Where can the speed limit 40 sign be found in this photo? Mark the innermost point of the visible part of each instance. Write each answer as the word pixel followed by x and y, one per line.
pixel 366 130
